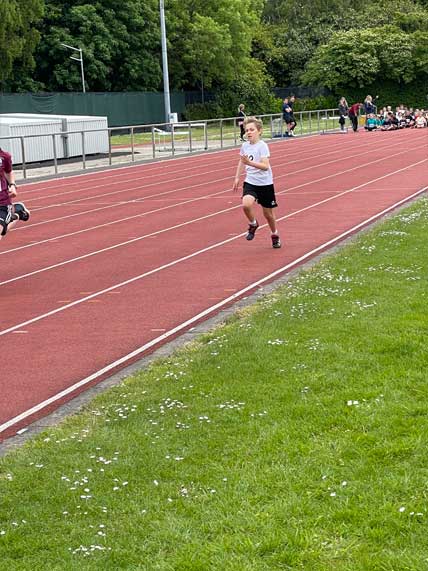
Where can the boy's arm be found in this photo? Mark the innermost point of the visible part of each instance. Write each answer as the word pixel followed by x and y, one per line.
pixel 10 177
pixel 263 165
pixel 237 175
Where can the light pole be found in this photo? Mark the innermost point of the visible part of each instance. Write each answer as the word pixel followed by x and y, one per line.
pixel 167 102
pixel 80 59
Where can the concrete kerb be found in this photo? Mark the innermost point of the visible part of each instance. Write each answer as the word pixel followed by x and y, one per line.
pixel 76 404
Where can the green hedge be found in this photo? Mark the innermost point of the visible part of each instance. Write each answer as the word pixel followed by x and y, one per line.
pixel 413 94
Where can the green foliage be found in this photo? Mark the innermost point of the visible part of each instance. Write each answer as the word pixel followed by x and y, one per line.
pixel 413 94
pixel 120 43
pixel 269 46
pixel 209 40
pixel 360 57
pixel 200 111
pixel 314 103
pixel 252 87
pixel 18 39
pixel 303 26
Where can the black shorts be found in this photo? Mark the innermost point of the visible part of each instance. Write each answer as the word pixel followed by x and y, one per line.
pixel 264 195
pixel 289 118
pixel 5 218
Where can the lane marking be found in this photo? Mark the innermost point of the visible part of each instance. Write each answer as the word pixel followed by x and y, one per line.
pixel 192 221
pixel 192 255
pixel 199 316
pixel 178 204
pixel 154 167
pixel 77 201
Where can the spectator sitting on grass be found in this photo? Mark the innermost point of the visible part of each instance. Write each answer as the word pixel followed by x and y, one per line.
pixel 372 122
pixel 420 120
pixel 390 123
pixel 409 118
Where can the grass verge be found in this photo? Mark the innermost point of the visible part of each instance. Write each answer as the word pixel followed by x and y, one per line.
pixel 291 438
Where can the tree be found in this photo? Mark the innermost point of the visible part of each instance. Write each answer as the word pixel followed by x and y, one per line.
pixel 209 40
pixel 308 24
pixel 360 57
pixel 18 39
pixel 120 42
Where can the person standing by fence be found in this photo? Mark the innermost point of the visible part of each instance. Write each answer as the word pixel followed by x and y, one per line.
pixel 369 107
pixel 288 117
pixel 343 112
pixel 353 115
pixel 241 119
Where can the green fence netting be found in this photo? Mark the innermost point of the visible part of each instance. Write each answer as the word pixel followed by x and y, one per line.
pixel 134 108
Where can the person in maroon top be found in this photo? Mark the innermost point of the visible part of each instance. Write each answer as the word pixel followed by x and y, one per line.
pixel 9 213
pixel 353 115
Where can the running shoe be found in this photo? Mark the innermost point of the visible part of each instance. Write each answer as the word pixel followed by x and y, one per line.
pixel 276 242
pixel 252 230
pixel 21 211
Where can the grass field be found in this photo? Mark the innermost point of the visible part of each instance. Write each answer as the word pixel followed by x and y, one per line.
pixel 294 437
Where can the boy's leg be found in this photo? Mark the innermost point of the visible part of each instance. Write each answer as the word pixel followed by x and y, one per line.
pixel 271 220
pixel 248 202
pixel 8 219
pixel 22 212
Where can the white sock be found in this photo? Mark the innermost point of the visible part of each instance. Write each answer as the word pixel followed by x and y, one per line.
pixel 253 223
pixel 275 233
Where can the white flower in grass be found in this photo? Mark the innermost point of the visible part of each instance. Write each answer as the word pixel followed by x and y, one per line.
pixel 402 509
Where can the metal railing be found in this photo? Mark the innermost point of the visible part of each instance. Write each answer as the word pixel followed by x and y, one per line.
pixel 42 155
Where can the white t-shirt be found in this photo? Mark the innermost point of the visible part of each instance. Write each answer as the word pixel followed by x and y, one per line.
pixel 256 153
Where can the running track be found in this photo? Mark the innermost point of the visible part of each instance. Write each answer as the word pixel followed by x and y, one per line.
pixel 114 263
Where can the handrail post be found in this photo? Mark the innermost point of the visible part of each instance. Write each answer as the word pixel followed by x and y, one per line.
pixel 54 153
pixel 221 133
pixel 24 166
pixel 110 160
pixel 132 145
pixel 83 150
pixel 153 142
pixel 190 138
pixel 172 139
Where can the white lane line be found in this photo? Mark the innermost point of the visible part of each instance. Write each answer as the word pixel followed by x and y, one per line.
pixel 216 170
pixel 164 164
pixel 199 316
pixel 168 192
pixel 189 256
pixel 192 221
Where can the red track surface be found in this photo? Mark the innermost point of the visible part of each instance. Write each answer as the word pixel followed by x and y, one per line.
pixel 112 264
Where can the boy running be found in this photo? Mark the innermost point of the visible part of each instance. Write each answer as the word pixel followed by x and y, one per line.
pixel 9 213
pixel 258 185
